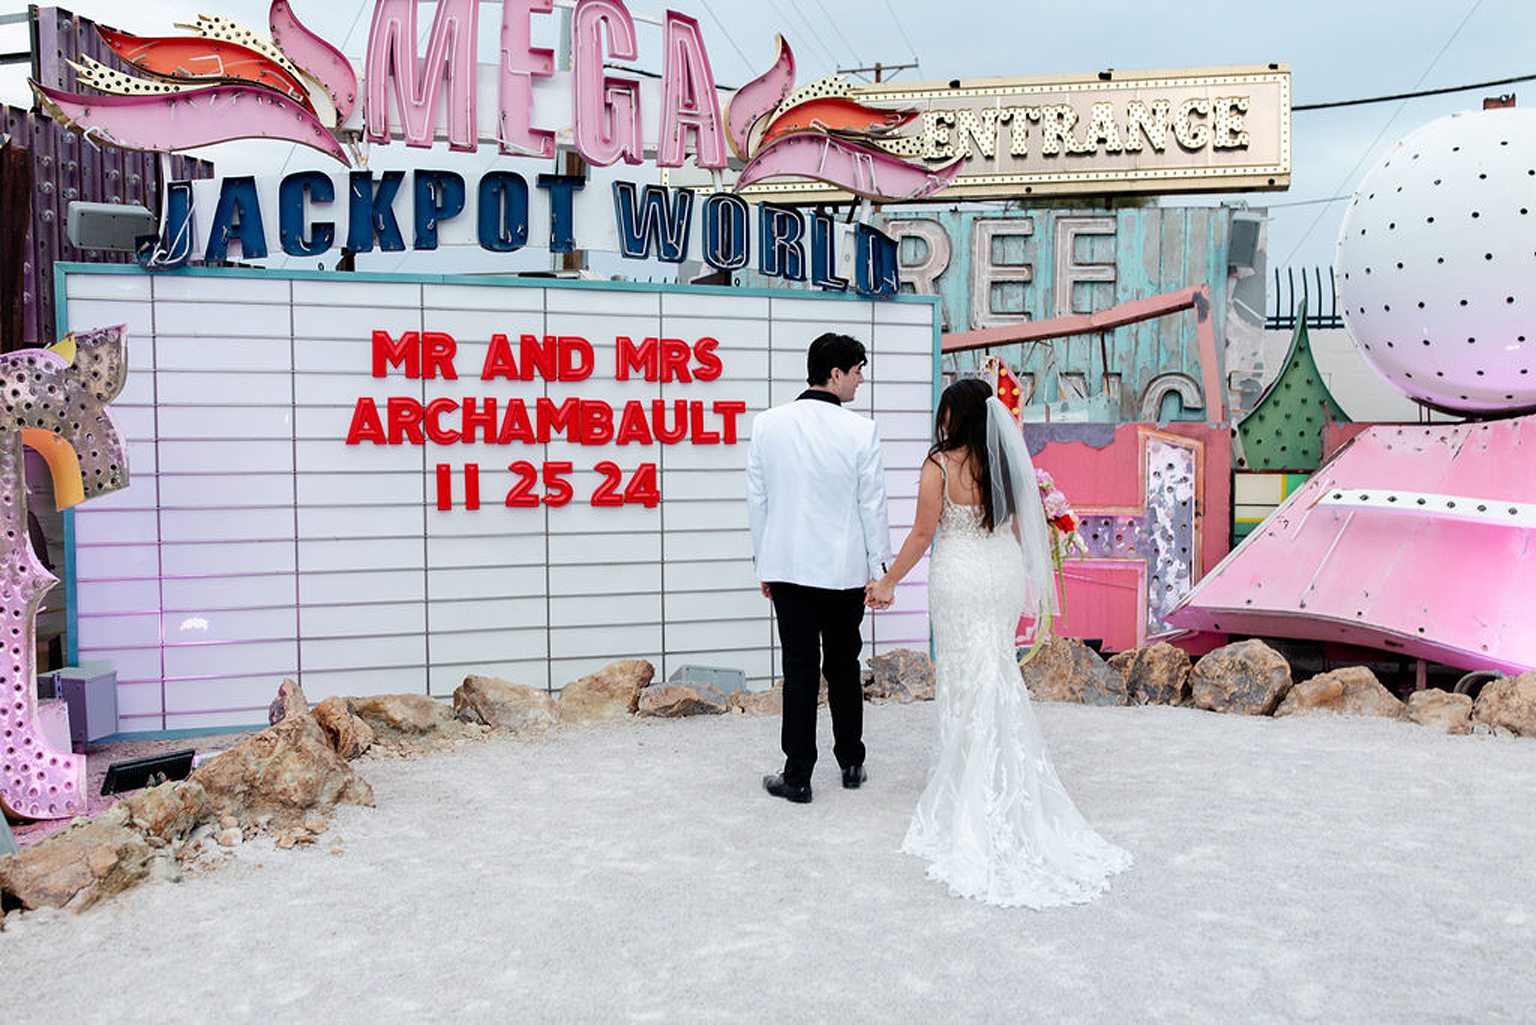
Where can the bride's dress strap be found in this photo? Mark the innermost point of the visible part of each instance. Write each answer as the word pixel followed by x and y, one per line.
pixel 938 457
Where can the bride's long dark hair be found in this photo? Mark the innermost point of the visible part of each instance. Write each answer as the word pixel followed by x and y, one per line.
pixel 960 425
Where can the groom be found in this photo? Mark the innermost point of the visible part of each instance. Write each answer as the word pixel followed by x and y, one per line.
pixel 816 503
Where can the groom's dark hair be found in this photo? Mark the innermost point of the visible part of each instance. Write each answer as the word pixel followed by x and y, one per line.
pixel 832 352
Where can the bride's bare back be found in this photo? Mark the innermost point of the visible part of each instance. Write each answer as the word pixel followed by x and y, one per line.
pixel 961 477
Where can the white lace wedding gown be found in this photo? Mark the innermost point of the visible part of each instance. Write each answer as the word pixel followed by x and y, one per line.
pixel 994 821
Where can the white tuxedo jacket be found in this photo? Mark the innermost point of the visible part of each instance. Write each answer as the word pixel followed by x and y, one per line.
pixel 816 496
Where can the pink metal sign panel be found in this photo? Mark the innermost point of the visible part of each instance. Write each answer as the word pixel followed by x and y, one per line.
pixel 1152 502
pixel 1414 539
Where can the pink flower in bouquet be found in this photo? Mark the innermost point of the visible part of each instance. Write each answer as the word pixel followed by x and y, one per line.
pixel 1056 505
pixel 1058 511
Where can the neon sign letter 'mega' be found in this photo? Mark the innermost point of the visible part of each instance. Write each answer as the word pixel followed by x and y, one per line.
pixel 605 108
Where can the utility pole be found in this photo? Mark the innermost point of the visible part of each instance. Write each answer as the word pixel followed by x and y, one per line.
pixel 878 69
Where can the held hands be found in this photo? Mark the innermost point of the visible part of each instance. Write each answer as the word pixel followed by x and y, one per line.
pixel 880 594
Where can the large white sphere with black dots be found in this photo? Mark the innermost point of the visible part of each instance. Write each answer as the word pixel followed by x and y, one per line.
pixel 1436 263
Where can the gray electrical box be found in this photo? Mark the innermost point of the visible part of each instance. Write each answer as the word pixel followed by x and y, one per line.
pixel 1243 243
pixel 113 226
pixel 727 680
pixel 90 692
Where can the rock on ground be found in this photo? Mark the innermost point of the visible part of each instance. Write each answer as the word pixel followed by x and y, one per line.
pixel 1441 709
pixel 610 693
pixel 1353 690
pixel 405 719
pixel 759 702
pixel 169 812
pixel 92 859
pixel 1066 669
pixel 349 734
pixel 96 858
pixel 290 700
pixel 281 774
pixel 902 675
pixel 1154 675
pixel 280 778
pixel 511 707
pixel 673 700
pixel 1509 703
pixel 1248 677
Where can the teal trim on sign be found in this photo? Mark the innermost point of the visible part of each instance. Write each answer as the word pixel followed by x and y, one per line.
pixel 61 269
pixel 71 593
pixel 71 590
pixel 60 306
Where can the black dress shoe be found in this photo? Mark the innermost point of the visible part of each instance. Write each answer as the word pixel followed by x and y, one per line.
pixel 776 786
pixel 854 776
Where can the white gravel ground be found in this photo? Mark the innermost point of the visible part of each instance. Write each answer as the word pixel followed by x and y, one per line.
pixel 1314 869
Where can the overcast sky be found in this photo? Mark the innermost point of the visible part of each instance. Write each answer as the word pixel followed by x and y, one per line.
pixel 1336 50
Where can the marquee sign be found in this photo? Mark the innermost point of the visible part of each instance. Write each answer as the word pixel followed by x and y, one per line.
pixel 378 483
pixel 1151 131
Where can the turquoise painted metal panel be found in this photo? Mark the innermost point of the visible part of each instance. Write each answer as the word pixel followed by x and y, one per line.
pixel 993 267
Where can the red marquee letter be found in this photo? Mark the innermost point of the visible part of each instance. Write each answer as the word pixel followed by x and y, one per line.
pixel 437 349
pixel 498 360
pixel 640 357
pixel 366 425
pixel 709 364
pixel 388 351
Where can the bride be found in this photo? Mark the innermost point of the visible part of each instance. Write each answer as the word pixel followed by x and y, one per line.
pixel 994 822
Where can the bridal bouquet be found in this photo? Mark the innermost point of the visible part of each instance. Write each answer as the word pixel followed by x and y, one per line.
pixel 1064 539
pixel 1060 515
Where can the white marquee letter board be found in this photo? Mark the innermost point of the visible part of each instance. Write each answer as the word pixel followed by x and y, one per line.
pixel 253 543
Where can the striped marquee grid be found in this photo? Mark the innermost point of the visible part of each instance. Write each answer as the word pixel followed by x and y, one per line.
pixel 253 544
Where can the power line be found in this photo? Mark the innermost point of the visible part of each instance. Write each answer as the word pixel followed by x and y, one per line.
pixel 812 34
pixel 1403 105
pixel 361 7
pixel 823 43
pixel 901 29
pixel 1306 202
pixel 728 37
pixel 833 22
pixel 1414 95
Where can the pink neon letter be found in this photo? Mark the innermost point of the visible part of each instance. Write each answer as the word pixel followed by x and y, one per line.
pixel 450 56
pixel 521 62
pixel 607 108
pixel 688 101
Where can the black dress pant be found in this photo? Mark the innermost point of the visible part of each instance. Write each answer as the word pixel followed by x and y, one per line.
pixel 819 635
